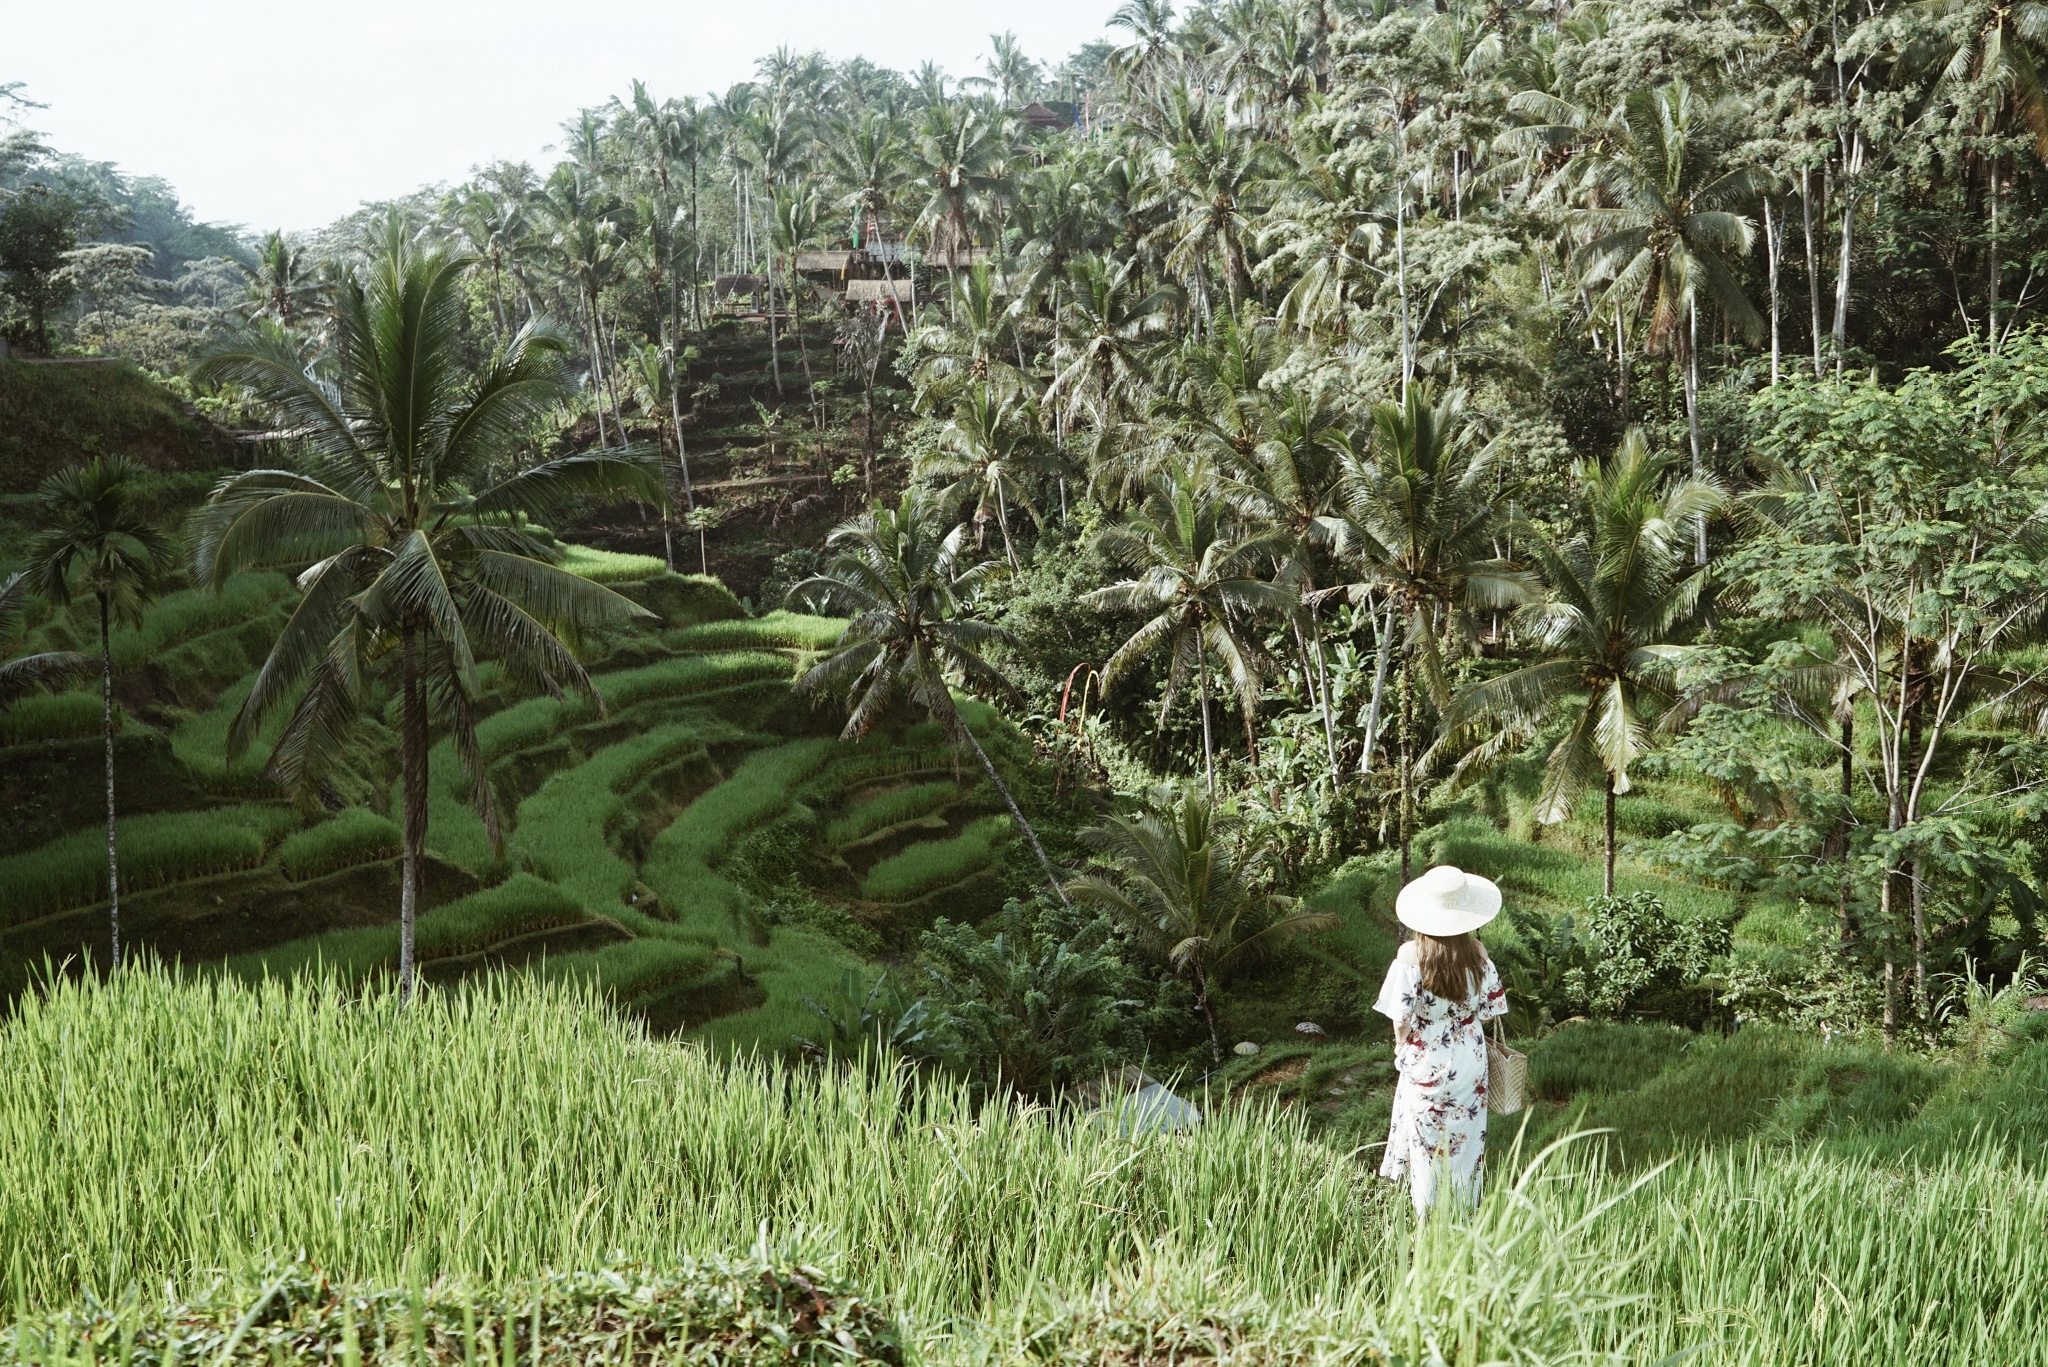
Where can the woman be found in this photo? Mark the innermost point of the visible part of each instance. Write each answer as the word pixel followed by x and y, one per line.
pixel 1439 990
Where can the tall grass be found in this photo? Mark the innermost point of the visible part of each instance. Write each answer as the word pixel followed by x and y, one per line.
pixel 610 567
pixel 352 836
pixel 678 865
pixel 161 1130
pixel 163 848
pixel 888 809
pixel 630 968
pixel 189 613
pixel 563 827
pixel 52 716
pixel 201 740
pixel 521 905
pixel 778 630
pixel 929 864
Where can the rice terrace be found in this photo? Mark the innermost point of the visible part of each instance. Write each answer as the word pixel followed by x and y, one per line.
pixel 1328 684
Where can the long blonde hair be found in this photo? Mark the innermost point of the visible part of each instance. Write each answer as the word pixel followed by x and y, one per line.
pixel 1453 966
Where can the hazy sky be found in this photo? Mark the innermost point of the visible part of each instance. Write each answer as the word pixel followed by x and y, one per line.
pixel 290 114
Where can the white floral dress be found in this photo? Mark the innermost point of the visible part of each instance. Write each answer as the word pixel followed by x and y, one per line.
pixel 1439 1128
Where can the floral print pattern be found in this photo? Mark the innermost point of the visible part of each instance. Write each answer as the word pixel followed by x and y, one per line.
pixel 1439 1127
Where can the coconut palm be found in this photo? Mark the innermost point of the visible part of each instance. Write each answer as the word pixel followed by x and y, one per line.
pixel 1106 337
pixel 976 345
pixel 1181 876
pixel 283 286
pixel 1671 226
pixel 902 582
pixel 956 155
pixel 96 540
pixel 989 456
pixel 1200 585
pixel 413 557
pixel 1618 597
pixel 1419 509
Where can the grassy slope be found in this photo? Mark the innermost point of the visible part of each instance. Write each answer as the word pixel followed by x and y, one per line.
pixel 52 415
pixel 561 1138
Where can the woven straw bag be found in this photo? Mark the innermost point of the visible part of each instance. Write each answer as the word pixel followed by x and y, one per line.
pixel 1507 1075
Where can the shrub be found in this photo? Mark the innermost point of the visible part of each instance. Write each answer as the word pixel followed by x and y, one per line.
pixel 562 828
pixel 930 864
pixel 1044 999
pixel 610 567
pixel 164 848
pixel 353 836
pixel 888 809
pixel 774 631
pixel 53 716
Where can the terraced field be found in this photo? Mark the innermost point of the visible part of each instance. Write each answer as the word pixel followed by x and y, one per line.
pixel 699 843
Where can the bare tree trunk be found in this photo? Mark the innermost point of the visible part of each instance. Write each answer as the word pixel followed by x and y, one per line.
pixel 413 781
pixel 1844 930
pixel 1919 902
pixel 1812 261
pixel 1608 885
pixel 1842 265
pixel 107 732
pixel 1774 232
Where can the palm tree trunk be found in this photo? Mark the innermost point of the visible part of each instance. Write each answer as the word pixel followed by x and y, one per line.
pixel 1692 418
pixel 1208 746
pixel 107 732
pixel 774 344
pixel 1208 1010
pixel 958 726
pixel 1374 709
pixel 413 780
pixel 1844 929
pixel 1406 817
pixel 1608 887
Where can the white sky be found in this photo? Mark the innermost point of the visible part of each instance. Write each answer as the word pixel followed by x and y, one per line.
pixel 289 115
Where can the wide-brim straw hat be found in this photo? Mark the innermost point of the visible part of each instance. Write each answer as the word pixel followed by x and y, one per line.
pixel 1447 901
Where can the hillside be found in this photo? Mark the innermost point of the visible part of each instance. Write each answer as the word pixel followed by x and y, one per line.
pixel 57 413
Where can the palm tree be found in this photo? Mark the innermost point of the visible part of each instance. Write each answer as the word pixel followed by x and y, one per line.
pixel 987 456
pixel 411 552
pixel 1199 584
pixel 1105 341
pixel 25 674
pixel 1215 169
pixel 1618 595
pixel 977 345
pixel 1183 879
pixel 1420 506
pixel 956 154
pixel 95 539
pixel 1671 227
pixel 282 287
pixel 900 581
